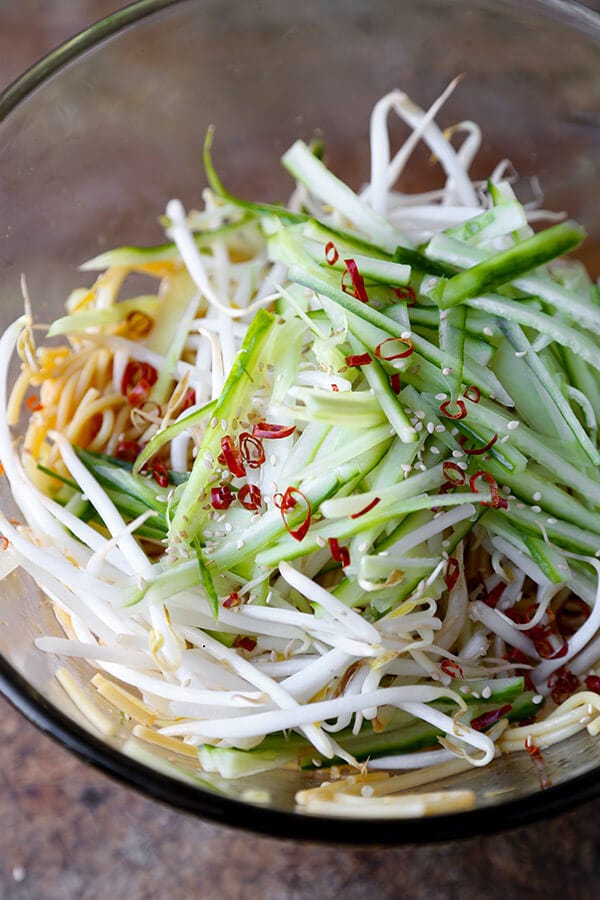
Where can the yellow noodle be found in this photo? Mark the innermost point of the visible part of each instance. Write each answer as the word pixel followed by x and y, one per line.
pixel 17 396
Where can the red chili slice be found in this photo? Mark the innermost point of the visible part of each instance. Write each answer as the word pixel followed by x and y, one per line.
pixel 462 409
pixel 592 683
pixel 128 451
pixel 394 340
pixel 160 473
pixel 358 285
pixel 252 450
pixel 334 388
pixel 189 399
pixel 245 643
pixel 571 615
pixel 331 254
pixel 486 719
pixel 453 473
pixel 33 404
pixel 232 600
pixel 395 382
pixel 137 382
pixel 451 668
pixel 479 451
pixel 366 509
pixel 472 393
pixel 492 597
pixel 250 496
pixel 339 554
pixel 452 573
pixel 292 498
pixel 563 683
pixel 221 497
pixel 272 432
pixel 359 359
pixel 406 293
pixel 233 457
pixel 497 502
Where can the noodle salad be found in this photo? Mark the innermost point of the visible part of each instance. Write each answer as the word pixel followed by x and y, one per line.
pixel 327 495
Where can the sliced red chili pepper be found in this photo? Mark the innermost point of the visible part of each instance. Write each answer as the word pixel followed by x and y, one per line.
pixel 245 643
pixel 232 600
pixel 128 451
pixel 232 456
pixel 366 509
pixel 452 572
pixel 221 497
pixel 33 404
pixel 486 719
pixel 272 432
pixel 137 382
pixel 331 254
pixel 592 683
pixel 358 285
pixel 189 399
pixel 571 615
pixel 160 473
pixel 451 668
pixel 406 293
pixel 478 451
pixel 292 498
pixel 250 496
pixel 334 388
pixel 359 359
pixel 472 393
pixel 387 356
pixel 445 409
pixel 453 473
pixel 4 543
pixel 563 683
pixel 339 554
pixel 395 382
pixel 252 450
pixel 492 597
pixel 496 502
pixel 537 759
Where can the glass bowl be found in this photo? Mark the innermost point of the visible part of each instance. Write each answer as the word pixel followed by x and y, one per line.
pixel 99 135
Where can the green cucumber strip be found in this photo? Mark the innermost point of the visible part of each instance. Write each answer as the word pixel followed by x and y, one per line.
pixel 110 315
pixel 190 420
pixel 509 264
pixel 310 171
pixel 168 252
pixel 243 380
pixel 520 343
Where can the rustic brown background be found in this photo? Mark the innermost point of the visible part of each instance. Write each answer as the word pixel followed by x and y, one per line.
pixel 69 832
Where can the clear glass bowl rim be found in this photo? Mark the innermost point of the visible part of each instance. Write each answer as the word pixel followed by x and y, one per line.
pixel 207 805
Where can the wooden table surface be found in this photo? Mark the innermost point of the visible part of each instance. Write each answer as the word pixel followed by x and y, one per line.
pixel 67 831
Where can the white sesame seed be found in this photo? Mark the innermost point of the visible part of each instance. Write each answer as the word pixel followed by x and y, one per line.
pixel 430 427
pixel 435 451
pixel 419 414
pixel 551 521
pixel 439 429
pixel 228 527
pixel 536 509
pixel 505 439
pixel 321 540
pixel 240 545
pixel 537 495
pixel 537 699
pixel 406 335
pixel 488 331
pixel 446 370
pixel 366 791
pixel 486 692
pixel 441 397
pixel 418 426
pixel 405 468
pixel 214 422
pixel 520 353
pixel 514 423
pixel 457 454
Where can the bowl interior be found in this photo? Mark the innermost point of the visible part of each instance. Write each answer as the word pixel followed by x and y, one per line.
pixel 89 158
